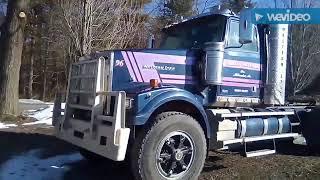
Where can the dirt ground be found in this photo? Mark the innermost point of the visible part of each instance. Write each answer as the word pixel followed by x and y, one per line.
pixel 58 160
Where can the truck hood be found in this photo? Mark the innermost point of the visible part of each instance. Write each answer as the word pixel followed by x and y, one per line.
pixel 172 67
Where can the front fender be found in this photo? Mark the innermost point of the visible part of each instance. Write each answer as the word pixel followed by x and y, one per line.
pixel 149 101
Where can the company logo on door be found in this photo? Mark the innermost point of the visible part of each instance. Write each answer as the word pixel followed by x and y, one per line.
pixel 159 68
pixel 286 16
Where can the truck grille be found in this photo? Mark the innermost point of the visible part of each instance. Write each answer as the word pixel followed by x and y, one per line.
pixel 83 77
pixel 85 80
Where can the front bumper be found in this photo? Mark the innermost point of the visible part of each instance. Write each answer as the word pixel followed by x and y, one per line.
pixel 105 134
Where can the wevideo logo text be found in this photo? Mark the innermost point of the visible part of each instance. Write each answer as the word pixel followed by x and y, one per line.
pixel 286 16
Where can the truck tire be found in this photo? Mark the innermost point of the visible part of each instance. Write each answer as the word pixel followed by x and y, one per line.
pixel 173 146
pixel 311 129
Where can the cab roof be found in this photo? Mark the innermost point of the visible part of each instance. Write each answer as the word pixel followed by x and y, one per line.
pixel 217 10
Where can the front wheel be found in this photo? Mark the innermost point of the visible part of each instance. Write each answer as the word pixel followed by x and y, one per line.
pixel 173 147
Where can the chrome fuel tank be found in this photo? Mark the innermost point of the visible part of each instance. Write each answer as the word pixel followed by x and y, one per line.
pixel 263 126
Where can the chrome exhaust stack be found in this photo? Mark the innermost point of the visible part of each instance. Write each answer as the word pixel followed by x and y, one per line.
pixel 277 43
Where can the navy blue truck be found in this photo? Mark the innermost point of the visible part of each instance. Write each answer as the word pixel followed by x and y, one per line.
pixel 216 80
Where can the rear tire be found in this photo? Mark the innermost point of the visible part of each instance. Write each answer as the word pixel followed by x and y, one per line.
pixel 172 147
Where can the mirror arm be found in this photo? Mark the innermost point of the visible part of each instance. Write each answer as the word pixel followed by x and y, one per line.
pixel 234 47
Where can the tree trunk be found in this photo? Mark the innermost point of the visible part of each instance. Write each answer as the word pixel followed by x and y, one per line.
pixel 30 73
pixel 86 28
pixel 12 38
pixel 45 68
pixel 44 88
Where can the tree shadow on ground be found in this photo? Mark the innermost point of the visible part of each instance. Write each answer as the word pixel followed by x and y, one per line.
pixel 17 144
pixel 211 164
pixel 288 148
pixel 14 144
pixel 84 170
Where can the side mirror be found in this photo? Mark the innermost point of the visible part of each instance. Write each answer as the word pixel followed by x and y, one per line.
pixel 246 29
pixel 151 42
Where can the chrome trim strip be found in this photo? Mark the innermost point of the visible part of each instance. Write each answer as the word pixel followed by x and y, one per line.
pixel 110 78
pixel 265 126
pixel 280 125
pixel 238 99
pixel 243 128
pixel 250 114
pixel 260 138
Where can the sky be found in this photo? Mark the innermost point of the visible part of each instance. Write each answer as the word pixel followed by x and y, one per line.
pixel 2 9
pixel 205 4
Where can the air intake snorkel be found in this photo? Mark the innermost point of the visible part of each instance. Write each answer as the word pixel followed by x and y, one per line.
pixel 213 63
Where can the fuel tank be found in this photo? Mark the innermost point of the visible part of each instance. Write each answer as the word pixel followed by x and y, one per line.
pixel 263 126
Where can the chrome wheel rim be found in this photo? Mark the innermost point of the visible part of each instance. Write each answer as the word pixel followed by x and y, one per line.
pixel 175 155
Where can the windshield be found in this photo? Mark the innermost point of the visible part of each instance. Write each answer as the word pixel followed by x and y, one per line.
pixel 195 33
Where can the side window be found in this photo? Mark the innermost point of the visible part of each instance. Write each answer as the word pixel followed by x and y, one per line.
pixel 233 38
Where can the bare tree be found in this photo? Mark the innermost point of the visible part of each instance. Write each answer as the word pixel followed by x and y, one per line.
pixel 202 6
pixel 30 72
pixel 12 38
pixel 105 24
pixel 304 53
pixel 68 29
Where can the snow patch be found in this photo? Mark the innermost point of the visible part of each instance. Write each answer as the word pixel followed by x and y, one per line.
pixel 27 106
pixel 300 141
pixel 43 113
pixel 4 126
pixel 44 116
pixel 32 101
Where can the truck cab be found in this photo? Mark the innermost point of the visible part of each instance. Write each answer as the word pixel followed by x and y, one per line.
pixel 165 108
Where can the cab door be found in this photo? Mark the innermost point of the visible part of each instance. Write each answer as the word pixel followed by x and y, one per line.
pixel 242 66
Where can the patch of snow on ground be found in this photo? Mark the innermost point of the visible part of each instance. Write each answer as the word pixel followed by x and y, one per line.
pixel 31 101
pixel 30 166
pixel 4 126
pixel 300 141
pixel 42 114
pixel 27 106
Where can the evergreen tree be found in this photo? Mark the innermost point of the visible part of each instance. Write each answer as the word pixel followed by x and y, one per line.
pixel 237 5
pixel 173 10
